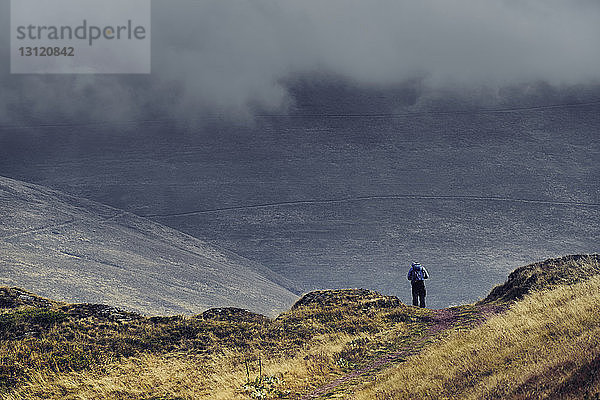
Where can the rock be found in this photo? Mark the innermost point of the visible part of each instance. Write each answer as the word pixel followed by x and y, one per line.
pixel 15 297
pixel 363 298
pixel 100 311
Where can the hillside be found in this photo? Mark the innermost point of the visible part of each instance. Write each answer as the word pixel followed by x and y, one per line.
pixel 544 347
pixel 545 274
pixel 330 344
pixel 76 250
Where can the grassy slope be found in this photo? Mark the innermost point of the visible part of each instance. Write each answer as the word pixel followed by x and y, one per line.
pixel 545 346
pixel 546 343
pixel 54 350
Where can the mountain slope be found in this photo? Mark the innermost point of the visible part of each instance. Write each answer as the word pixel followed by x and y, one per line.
pixel 79 251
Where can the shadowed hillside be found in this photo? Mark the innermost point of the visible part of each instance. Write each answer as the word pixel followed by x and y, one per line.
pixel 76 250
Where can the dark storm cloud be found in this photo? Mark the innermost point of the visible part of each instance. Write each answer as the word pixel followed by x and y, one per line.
pixel 234 57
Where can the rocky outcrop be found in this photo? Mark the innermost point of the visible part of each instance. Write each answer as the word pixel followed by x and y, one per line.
pixel 364 298
pixel 545 274
pixel 15 297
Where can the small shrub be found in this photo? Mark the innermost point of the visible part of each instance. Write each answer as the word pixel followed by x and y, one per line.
pixel 22 321
pixel 345 365
pixel 265 387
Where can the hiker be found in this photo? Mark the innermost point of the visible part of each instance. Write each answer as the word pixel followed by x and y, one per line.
pixel 417 275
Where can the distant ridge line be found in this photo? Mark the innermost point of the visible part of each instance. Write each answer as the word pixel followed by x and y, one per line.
pixel 434 112
pixel 369 198
pixel 300 115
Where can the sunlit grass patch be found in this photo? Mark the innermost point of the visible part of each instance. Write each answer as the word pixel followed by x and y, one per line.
pixel 533 349
pixel 58 351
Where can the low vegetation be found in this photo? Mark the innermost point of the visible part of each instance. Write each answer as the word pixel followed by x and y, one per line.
pixel 544 344
pixel 54 350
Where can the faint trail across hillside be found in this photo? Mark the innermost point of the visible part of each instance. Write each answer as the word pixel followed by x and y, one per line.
pixel 376 198
pixel 70 222
pixel 442 320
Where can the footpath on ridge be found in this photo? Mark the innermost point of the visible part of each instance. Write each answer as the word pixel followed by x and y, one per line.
pixel 442 320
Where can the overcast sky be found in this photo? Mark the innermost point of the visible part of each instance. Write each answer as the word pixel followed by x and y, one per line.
pixel 233 56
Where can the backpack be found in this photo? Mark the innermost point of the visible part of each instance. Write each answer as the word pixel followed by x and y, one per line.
pixel 418 273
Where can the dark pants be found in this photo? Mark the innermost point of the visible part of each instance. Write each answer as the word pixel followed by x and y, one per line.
pixel 418 293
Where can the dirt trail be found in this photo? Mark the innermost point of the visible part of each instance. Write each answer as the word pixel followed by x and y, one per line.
pixel 442 320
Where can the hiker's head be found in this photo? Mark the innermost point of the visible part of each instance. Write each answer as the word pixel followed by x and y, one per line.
pixel 416 265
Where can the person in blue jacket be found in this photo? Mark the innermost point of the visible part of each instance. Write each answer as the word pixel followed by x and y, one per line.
pixel 417 275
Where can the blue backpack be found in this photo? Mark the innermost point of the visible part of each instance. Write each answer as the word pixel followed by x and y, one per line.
pixel 417 273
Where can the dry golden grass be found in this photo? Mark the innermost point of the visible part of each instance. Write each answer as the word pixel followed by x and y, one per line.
pixel 179 376
pixel 546 346
pixel 196 358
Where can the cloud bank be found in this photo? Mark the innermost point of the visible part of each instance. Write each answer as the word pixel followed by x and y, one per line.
pixel 236 57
